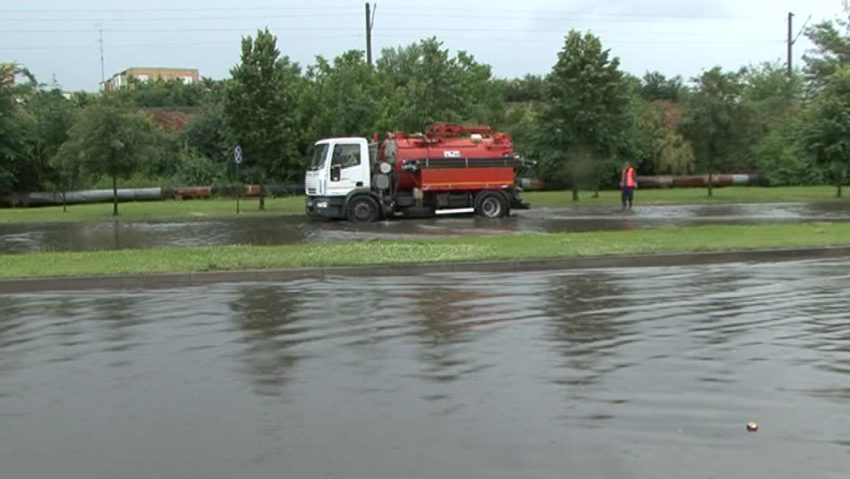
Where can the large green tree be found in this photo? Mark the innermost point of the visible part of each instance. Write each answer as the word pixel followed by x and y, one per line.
pixel 587 111
pixel 107 140
pixel 826 131
pixel 423 83
pixel 16 130
pixel 341 97
pixel 52 118
pixel 261 107
pixel 775 106
pixel 657 136
pixel 717 122
pixel 832 51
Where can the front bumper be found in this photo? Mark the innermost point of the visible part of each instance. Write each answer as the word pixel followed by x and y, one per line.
pixel 325 207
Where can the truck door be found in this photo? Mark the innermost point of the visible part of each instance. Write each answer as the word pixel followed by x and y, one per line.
pixel 349 168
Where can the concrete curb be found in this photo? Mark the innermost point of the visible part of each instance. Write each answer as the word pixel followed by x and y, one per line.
pixel 174 280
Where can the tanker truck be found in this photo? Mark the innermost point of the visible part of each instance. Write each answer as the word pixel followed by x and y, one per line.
pixel 449 167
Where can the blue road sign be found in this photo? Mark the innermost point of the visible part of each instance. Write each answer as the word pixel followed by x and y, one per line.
pixel 237 154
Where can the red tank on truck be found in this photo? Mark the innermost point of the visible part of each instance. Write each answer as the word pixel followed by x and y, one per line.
pixel 448 168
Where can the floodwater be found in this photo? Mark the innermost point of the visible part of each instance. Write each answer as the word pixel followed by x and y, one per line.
pixel 26 238
pixel 614 373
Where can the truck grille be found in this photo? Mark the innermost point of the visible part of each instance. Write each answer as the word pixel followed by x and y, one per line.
pixel 311 191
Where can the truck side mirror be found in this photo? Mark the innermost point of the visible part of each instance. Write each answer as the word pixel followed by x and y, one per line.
pixel 335 172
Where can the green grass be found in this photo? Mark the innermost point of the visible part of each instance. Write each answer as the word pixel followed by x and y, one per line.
pixel 135 211
pixel 684 196
pixel 152 210
pixel 484 248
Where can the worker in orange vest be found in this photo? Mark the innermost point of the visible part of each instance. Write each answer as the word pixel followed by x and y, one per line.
pixel 628 183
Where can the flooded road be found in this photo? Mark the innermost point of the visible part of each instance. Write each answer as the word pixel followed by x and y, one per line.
pixel 625 373
pixel 26 238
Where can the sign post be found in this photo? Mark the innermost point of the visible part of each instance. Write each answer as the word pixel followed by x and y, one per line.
pixel 237 157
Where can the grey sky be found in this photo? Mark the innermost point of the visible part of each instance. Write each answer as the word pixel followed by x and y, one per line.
pixel 59 37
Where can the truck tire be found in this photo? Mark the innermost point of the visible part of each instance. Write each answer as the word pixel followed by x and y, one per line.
pixel 491 204
pixel 362 209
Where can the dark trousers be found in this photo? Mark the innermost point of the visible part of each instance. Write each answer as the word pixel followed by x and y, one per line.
pixel 628 196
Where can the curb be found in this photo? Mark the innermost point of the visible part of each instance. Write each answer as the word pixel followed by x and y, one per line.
pixel 172 280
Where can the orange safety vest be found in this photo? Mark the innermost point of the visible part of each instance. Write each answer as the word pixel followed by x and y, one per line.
pixel 628 178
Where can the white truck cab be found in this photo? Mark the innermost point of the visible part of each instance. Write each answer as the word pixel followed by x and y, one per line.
pixel 339 168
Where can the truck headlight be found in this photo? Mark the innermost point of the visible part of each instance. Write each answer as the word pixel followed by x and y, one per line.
pixel 321 204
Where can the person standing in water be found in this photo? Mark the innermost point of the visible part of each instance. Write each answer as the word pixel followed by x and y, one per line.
pixel 628 183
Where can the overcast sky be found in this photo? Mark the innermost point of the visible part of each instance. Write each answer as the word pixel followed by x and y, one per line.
pixel 59 38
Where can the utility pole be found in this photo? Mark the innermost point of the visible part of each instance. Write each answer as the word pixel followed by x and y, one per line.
pixel 370 22
pixel 792 39
pixel 100 41
pixel 790 47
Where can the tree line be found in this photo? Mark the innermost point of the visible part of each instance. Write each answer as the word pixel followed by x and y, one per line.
pixel 579 122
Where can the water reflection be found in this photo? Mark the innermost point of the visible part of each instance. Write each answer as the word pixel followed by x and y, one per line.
pixel 614 373
pixel 266 318
pixel 11 319
pixel 446 318
pixel 588 324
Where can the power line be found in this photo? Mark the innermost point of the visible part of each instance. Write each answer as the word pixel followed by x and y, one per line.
pixel 577 16
pixel 707 41
pixel 432 11
pixel 168 19
pixel 117 46
pixel 422 30
pixel 195 9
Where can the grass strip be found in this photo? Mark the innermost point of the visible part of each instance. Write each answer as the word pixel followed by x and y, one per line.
pixel 154 210
pixel 211 208
pixel 690 196
pixel 455 249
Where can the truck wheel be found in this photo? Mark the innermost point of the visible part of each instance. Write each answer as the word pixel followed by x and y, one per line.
pixel 491 204
pixel 362 209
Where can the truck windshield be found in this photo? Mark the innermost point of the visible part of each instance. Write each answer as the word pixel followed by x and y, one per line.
pixel 320 152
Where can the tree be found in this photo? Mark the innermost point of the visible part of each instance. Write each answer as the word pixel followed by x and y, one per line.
pixel 587 111
pixel 341 97
pixel 106 140
pixel 782 159
pixel 422 83
pixel 832 51
pixel 655 86
pixel 667 151
pixel 52 118
pixel 717 122
pixel 163 93
pixel 775 108
pixel 15 129
pixel 527 89
pixel 261 107
pixel 826 132
pixel 207 134
pixel 67 167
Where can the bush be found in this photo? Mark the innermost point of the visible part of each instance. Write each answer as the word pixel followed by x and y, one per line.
pixel 195 169
pixel 782 163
